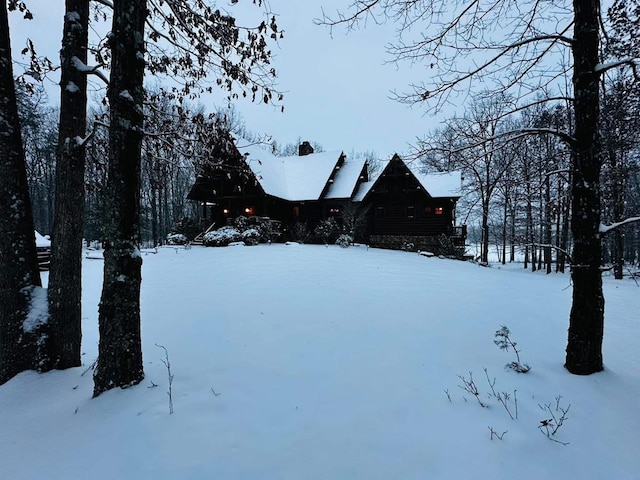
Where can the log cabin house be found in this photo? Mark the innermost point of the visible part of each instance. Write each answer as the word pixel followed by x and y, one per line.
pixel 399 206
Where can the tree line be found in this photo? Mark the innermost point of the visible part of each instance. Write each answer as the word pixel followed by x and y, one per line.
pixel 517 191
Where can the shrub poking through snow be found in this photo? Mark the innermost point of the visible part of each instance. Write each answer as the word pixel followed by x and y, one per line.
pixel 176 239
pixel 344 240
pixel 251 236
pixel 221 237
pixel 504 342
pixel 550 426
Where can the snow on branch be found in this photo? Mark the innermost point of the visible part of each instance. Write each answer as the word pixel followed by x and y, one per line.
pixel 106 3
pixel 508 136
pixel 84 68
pixel 604 229
pixel 603 67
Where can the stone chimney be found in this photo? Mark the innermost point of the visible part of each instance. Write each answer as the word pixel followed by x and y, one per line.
pixel 305 148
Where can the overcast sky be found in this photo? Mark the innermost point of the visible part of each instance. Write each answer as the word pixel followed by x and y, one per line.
pixel 336 87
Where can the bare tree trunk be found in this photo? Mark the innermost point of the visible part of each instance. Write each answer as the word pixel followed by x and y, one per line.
pixel 65 285
pixel 547 224
pixel 512 251
pixel 484 252
pixel 531 234
pixel 120 350
pixel 154 215
pixel 505 212
pixel 558 221
pixel 586 322
pixel 166 210
pixel 19 274
pixel 617 194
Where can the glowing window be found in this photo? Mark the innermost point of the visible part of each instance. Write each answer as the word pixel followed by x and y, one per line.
pixel 439 211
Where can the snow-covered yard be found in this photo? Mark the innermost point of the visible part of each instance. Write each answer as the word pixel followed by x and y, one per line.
pixel 307 362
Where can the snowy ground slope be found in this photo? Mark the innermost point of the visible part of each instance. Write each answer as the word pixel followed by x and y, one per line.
pixel 332 363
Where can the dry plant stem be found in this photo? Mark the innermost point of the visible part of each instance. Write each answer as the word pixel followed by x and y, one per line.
pixel 499 436
pixel 471 387
pixel 167 364
pixel 502 397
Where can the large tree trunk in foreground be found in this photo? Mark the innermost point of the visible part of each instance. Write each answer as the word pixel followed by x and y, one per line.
pixel 19 274
pixel 120 351
pixel 586 322
pixel 65 286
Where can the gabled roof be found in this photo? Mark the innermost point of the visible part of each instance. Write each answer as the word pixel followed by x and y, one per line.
pixel 295 178
pixel 437 185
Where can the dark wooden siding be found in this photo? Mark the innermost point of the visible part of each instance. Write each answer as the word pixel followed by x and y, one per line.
pixel 399 205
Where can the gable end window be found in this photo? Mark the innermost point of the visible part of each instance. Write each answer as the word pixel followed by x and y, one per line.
pixel 411 211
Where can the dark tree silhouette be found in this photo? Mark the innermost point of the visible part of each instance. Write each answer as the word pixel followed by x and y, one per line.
pixel 19 275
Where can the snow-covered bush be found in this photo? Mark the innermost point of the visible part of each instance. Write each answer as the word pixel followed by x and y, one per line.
pixel 325 229
pixel 448 247
pixel 408 246
pixel 243 223
pixel 188 227
pixel 344 240
pixel 176 239
pixel 270 230
pixel 300 232
pixel 251 236
pixel 221 237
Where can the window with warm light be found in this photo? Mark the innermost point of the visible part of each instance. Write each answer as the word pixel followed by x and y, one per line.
pixel 439 211
pixel 250 210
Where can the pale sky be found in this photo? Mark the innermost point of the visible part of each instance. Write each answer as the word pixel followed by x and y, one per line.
pixel 336 88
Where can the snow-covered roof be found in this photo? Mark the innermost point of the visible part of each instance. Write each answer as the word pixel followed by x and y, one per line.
pixel 363 189
pixel 295 178
pixel 438 185
pixel 346 179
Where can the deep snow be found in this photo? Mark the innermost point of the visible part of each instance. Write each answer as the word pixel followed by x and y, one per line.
pixel 332 363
